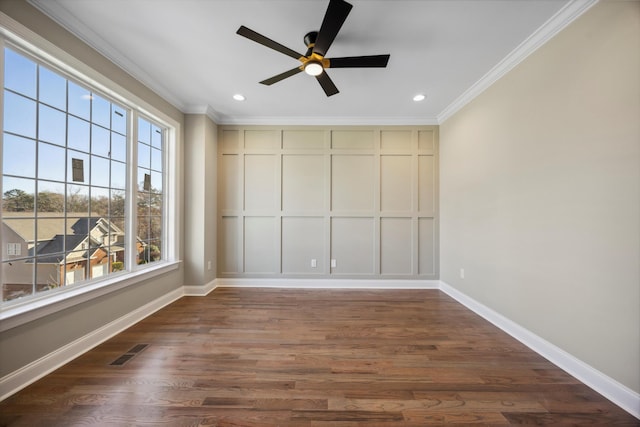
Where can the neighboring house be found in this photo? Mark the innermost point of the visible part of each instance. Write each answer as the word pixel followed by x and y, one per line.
pixel 84 254
pixel 88 249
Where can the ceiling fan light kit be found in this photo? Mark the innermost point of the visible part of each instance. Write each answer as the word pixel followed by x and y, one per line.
pixel 313 68
pixel 314 62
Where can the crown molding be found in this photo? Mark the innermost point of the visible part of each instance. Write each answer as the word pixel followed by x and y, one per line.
pixel 327 121
pixel 207 110
pixel 86 35
pixel 565 16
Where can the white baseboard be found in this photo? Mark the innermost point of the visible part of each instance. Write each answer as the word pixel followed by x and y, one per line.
pixel 327 283
pixel 200 291
pixel 32 372
pixel 618 393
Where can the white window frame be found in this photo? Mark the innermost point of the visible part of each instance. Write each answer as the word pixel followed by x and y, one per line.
pixel 18 312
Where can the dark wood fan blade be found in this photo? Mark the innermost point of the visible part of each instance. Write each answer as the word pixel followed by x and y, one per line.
pixel 282 76
pixel 265 41
pixel 327 84
pixel 371 61
pixel 336 14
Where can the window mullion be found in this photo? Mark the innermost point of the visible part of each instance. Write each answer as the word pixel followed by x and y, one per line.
pixel 131 248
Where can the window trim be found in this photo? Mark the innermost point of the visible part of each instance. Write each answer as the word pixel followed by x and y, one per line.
pixel 15 35
pixel 61 299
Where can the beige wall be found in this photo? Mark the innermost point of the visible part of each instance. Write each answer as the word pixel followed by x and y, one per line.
pixel 29 342
pixel 200 199
pixel 540 193
pixel 364 196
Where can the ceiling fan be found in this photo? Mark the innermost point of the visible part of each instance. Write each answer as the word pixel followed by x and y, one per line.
pixel 318 42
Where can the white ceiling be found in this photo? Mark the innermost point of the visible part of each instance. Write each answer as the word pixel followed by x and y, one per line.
pixel 188 52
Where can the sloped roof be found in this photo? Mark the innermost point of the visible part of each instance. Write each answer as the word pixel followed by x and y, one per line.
pixel 50 224
pixel 56 246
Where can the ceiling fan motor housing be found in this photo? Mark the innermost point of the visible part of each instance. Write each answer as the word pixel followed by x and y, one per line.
pixel 318 42
pixel 310 40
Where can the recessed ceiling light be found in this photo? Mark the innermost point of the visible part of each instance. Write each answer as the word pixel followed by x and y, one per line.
pixel 239 97
pixel 419 97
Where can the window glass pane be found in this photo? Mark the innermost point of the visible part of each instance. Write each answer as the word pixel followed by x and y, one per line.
pixel 156 182
pixel 19 73
pixel 144 131
pixel 52 126
pixel 77 233
pixel 48 272
pixel 19 156
pixel 118 203
pixel 141 178
pixel 18 194
pixel 77 200
pixel 19 115
pixel 101 267
pixel 118 147
pixel 144 156
pixel 75 267
pixel 118 119
pixel 53 89
pixel 118 175
pixel 152 251
pixel 155 231
pixel 78 134
pixel 99 171
pixel 150 196
pixel 79 101
pixel 117 237
pixel 78 170
pixel 18 235
pixel 100 141
pixel 144 227
pixel 99 202
pixel 51 162
pixel 156 159
pixel 50 197
pixel 50 228
pixel 155 203
pixel 116 257
pixel 156 137
pixel 100 111
pixel 17 279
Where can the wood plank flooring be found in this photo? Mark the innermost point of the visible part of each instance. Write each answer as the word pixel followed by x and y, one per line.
pixel 285 357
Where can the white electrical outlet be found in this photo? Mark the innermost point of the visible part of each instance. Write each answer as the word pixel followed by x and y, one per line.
pixel 314 263
pixel 462 273
pixel 334 264
pixel 208 265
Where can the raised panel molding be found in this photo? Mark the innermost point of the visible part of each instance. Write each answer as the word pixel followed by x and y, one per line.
pixel 396 183
pixel 260 245
pixel 352 183
pixel 303 178
pixel 293 198
pixel 396 245
pixel 352 139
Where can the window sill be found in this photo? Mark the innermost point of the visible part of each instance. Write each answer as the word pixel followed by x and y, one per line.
pixel 33 309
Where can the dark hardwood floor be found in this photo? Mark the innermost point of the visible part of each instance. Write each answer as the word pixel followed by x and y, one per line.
pixel 285 357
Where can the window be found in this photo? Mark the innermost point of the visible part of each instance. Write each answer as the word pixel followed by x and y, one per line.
pixel 71 210
pixel 14 249
pixel 150 200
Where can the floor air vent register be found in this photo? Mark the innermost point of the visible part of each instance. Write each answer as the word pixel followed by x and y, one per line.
pixel 135 350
